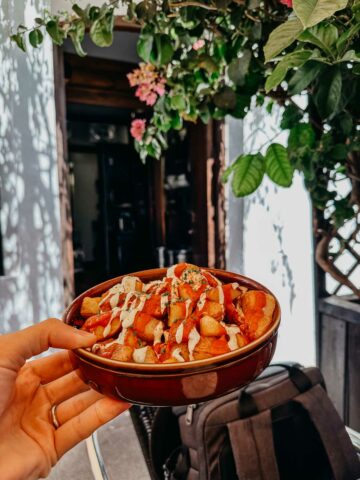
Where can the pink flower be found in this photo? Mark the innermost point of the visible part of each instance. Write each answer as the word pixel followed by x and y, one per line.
pixel 151 99
pixel 198 44
pixel 148 82
pixel 160 87
pixel 288 3
pixel 137 128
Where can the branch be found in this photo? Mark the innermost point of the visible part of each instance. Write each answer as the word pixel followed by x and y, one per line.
pixel 324 262
pixel 192 3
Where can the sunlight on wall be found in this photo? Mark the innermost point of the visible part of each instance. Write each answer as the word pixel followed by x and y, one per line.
pixel 271 240
pixel 31 288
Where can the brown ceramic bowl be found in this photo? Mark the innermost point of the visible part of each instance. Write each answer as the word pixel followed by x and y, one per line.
pixel 179 383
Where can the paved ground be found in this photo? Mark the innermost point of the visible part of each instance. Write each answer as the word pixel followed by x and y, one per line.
pixel 120 450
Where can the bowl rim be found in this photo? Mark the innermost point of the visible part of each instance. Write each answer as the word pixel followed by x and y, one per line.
pixel 172 367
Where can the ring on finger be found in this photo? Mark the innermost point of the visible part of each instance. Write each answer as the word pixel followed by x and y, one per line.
pixel 54 418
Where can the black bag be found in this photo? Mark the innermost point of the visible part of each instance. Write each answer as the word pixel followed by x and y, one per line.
pixel 282 426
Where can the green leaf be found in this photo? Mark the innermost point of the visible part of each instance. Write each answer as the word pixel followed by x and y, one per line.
pixel 304 76
pixel 162 49
pixel 294 59
pixel 36 37
pixel 350 56
pixel 55 32
pixel 178 102
pixel 248 173
pixel 101 31
pixel 346 37
pixel 283 36
pixel 144 46
pixel 18 38
pixel 322 36
pixel 339 152
pixel 278 166
pixel 328 94
pixel 226 99
pixel 77 34
pixel 312 12
pixel 239 67
pixel 145 10
pixel 302 135
pixel 291 117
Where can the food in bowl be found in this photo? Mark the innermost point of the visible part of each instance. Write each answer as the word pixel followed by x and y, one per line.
pixel 187 315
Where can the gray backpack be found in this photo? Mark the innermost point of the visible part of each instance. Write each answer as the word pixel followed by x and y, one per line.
pixel 283 426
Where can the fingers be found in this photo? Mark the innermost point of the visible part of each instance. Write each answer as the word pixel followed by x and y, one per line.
pixel 65 387
pixel 19 346
pixel 52 367
pixel 83 425
pixel 74 406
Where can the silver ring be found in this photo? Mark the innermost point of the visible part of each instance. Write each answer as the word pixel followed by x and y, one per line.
pixel 54 419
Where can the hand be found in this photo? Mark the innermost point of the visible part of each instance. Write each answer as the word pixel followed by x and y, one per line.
pixel 29 443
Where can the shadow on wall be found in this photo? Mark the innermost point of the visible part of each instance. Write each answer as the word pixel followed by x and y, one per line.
pixel 31 288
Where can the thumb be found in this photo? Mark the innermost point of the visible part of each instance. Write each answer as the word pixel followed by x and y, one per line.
pixel 18 347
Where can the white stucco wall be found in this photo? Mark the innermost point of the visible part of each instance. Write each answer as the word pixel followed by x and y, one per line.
pixel 32 288
pixel 270 240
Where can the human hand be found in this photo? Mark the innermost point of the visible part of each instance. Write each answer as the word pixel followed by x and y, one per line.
pixel 29 442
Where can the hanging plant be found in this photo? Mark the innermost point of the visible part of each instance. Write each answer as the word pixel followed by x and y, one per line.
pixel 204 60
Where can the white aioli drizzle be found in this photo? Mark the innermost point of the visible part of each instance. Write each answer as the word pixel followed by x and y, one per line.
pixel 107 329
pixel 114 300
pixel 201 301
pixel 221 294
pixel 129 319
pixel 113 290
pixel 164 300
pixel 129 283
pixel 158 332
pixel 149 285
pixel 177 355
pixel 194 338
pixel 170 273
pixel 231 330
pixel 179 333
pixel 140 354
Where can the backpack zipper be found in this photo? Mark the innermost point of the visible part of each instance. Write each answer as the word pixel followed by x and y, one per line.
pixel 190 414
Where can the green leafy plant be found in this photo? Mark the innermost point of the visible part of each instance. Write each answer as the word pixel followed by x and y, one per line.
pixel 205 59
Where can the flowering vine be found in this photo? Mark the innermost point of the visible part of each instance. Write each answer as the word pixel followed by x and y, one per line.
pixel 207 59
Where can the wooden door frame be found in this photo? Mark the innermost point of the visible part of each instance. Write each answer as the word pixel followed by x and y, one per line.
pixel 207 161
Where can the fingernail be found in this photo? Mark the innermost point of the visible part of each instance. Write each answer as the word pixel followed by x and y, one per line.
pixel 84 333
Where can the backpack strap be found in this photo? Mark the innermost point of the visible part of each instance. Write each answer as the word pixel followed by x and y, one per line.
pixel 252 444
pixel 341 454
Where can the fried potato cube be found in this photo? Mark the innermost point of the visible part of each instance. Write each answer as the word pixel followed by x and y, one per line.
pixel 209 327
pixel 180 330
pixel 131 339
pixel 258 308
pixel 90 306
pixel 177 311
pixel 211 346
pixel 144 355
pixel 145 325
pixel 232 291
pixel 152 306
pixel 151 356
pixel 122 353
pixel 213 309
pixel 201 355
pixel 180 350
pixel 241 340
pixel 97 324
pixel 186 292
